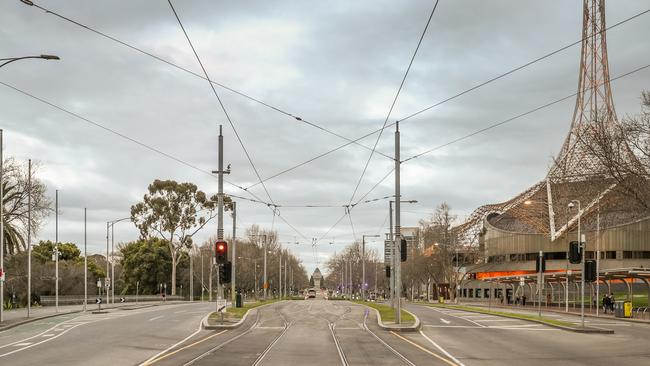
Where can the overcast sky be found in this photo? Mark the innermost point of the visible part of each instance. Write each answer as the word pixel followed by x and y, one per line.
pixel 337 64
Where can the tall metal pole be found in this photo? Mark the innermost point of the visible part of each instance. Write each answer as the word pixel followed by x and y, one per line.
pixel 85 262
pixel 202 282
pixel 540 279
pixel 2 231
pixel 392 256
pixel 233 273
pixel 363 267
pixel 113 261
pixel 398 197
pixel 598 257
pixel 286 267
pixel 191 275
pixel 29 236
pixel 108 298
pixel 266 283
pixel 582 275
pixel 220 207
pixel 56 250
pixel 280 275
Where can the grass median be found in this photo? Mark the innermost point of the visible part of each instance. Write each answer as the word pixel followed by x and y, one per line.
pixel 387 313
pixel 506 314
pixel 235 314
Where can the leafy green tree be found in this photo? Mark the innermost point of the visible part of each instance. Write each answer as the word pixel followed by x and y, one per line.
pixel 45 251
pixel 146 261
pixel 174 212
pixel 14 202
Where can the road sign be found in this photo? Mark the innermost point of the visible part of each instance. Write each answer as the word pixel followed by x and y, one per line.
pixel 221 305
pixel 99 283
pixel 266 285
pixel 2 275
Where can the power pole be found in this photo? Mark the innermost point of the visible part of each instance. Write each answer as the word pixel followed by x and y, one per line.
pixel 191 275
pixel 108 299
pixel 392 256
pixel 220 172
pixel 56 250
pixel 234 252
pixel 2 233
pixel 398 256
pixel 85 262
pixel 29 236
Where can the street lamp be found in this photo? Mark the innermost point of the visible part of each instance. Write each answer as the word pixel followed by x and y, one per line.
pixel 111 225
pixel 363 264
pixel 582 274
pixel 13 59
pixel 2 228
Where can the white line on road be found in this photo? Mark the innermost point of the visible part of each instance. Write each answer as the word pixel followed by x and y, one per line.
pixel 445 321
pixel 467 320
pixel 441 349
pixel 156 317
pixel 22 344
pixel 177 343
pixel 499 320
pixel 47 335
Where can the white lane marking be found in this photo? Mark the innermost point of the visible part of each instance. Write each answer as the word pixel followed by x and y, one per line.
pixel 48 335
pixel 156 317
pixel 452 326
pixel 467 320
pixel 177 343
pixel 179 312
pixel 445 321
pixel 442 349
pixel 22 344
pixel 499 320
pixel 37 343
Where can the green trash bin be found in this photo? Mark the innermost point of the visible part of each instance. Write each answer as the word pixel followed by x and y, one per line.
pixel 619 309
pixel 238 300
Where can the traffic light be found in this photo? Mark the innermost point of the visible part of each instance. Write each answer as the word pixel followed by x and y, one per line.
pixel 537 267
pixel 221 252
pixel 590 271
pixel 225 272
pixel 402 250
pixel 575 252
pixel 387 271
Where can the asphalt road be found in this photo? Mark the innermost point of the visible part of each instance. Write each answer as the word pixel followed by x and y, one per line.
pixel 312 332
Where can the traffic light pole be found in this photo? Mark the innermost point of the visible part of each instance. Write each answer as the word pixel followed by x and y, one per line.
pixel 397 258
pixel 220 172
pixel 234 252
pixel 540 283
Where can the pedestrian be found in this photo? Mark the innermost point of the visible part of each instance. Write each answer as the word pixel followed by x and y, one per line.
pixel 605 303
pixel 523 300
pixel 612 300
pixel 517 300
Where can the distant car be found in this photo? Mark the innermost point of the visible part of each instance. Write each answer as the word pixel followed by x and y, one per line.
pixel 311 294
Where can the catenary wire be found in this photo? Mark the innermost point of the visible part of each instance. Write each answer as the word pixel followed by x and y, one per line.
pixel 223 107
pixel 223 86
pixel 392 106
pixel 473 88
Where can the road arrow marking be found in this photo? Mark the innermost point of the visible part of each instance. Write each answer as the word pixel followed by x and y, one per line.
pixel 445 321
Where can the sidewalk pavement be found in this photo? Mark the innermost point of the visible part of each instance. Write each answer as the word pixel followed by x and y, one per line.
pixel 15 317
pixel 529 309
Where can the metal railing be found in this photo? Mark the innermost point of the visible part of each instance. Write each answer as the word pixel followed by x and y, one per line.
pixel 79 300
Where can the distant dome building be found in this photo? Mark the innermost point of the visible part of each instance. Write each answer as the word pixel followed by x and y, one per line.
pixel 318 277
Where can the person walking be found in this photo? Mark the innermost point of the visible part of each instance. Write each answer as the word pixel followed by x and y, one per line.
pixel 605 303
pixel 523 300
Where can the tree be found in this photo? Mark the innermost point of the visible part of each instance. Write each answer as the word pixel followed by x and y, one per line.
pixel 311 281
pixel 14 202
pixel 67 251
pixel 174 212
pixel 147 262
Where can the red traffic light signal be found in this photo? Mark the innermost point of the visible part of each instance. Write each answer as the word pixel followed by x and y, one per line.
pixel 221 252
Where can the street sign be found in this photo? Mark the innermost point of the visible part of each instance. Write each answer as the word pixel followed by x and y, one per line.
pixel 2 276
pixel 99 283
pixel 221 305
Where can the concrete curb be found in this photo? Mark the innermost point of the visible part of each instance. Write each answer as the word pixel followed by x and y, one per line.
pixel 207 326
pixel 595 330
pixel 397 328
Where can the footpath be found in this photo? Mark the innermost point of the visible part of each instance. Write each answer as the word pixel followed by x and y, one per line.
pixel 16 317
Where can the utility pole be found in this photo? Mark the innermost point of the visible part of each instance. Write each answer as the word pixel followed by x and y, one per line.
pixel 266 283
pixel 234 252
pixel 29 236
pixel 540 283
pixel 397 258
pixel 392 256
pixel 191 275
pixel 112 262
pixel 280 274
pixel 2 232
pixel 108 298
pixel 220 172
pixel 56 250
pixel 85 261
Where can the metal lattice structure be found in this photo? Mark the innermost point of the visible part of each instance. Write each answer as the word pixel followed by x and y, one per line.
pixel 578 173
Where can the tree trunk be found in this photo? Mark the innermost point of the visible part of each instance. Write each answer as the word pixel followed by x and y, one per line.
pixel 174 262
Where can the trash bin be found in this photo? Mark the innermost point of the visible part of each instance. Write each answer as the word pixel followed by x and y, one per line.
pixel 238 300
pixel 627 309
pixel 619 310
pixel 441 300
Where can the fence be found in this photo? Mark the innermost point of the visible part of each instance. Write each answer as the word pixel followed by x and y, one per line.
pixel 79 300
